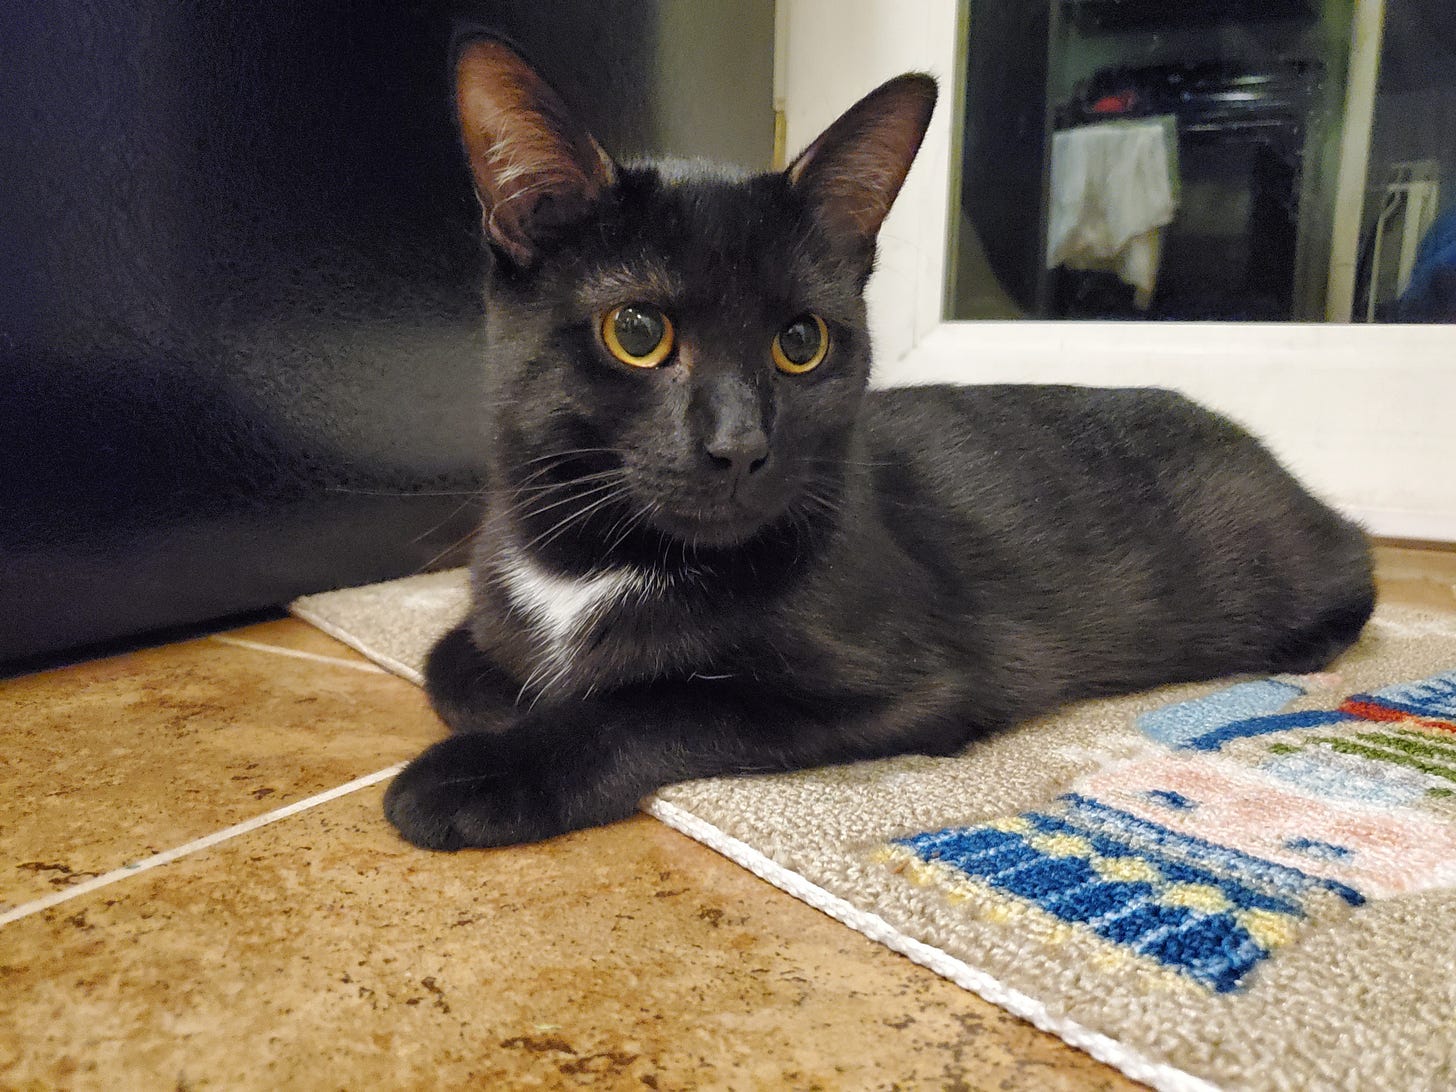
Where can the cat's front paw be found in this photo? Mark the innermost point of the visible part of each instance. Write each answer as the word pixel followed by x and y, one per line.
pixel 475 790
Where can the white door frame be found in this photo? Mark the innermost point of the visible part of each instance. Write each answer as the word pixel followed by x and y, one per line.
pixel 1366 415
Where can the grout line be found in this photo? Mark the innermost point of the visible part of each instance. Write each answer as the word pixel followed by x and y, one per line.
pixel 25 910
pixel 337 661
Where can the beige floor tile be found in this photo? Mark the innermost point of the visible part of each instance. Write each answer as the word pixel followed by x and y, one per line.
pixel 323 952
pixel 1417 577
pixel 116 759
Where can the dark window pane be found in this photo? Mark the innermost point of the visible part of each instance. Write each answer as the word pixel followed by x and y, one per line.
pixel 1135 159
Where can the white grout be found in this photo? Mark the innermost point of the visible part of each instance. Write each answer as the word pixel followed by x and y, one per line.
pixel 25 910
pixel 337 661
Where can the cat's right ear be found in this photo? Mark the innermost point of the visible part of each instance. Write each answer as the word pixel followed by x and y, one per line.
pixel 536 167
pixel 853 172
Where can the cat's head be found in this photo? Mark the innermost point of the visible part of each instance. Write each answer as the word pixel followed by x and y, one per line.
pixel 676 350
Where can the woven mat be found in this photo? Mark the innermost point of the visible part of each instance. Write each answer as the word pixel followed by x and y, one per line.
pixel 1247 884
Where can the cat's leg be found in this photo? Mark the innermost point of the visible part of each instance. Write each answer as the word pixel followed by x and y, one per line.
pixel 587 763
pixel 1339 599
pixel 1312 648
pixel 466 687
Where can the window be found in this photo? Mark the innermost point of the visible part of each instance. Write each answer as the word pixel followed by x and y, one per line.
pixel 1234 160
pixel 1362 412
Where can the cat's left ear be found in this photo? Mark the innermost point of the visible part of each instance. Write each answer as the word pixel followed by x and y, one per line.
pixel 536 166
pixel 853 172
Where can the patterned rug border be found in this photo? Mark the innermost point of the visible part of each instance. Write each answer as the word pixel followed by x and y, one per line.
pixel 1163 1077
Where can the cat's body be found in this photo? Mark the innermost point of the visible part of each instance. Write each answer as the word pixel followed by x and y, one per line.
pixel 708 564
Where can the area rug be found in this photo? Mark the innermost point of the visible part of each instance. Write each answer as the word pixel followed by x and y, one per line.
pixel 1244 884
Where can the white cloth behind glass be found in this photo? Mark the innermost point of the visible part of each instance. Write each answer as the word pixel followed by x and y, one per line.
pixel 1112 193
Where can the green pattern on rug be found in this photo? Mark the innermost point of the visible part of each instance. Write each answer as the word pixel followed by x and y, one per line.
pixel 1243 884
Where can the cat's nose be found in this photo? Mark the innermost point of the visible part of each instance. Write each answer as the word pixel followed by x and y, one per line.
pixel 732 417
pixel 741 452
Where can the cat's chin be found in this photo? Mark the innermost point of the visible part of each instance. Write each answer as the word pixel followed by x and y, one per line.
pixel 719 530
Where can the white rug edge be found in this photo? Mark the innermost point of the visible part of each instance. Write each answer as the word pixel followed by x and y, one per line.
pixel 340 633
pixel 1158 1075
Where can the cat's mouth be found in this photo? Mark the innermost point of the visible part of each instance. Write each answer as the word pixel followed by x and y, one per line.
pixel 727 524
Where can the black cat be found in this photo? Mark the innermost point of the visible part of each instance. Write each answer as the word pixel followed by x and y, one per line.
pixel 710 550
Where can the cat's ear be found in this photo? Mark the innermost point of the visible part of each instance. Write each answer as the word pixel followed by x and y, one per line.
pixel 536 167
pixel 853 172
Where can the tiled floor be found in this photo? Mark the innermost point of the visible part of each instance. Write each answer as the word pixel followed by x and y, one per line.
pixel 301 945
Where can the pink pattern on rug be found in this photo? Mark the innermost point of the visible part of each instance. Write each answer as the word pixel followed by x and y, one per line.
pixel 1382 852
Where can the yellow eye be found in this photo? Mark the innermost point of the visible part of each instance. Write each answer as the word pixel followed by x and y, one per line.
pixel 801 345
pixel 637 334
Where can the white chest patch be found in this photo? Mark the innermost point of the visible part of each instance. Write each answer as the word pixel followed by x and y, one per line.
pixel 560 608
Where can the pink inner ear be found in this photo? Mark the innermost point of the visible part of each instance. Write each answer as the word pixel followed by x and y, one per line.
pixel 859 187
pixel 854 171
pixel 534 165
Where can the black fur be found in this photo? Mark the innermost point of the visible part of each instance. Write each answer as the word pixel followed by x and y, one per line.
pixel 908 570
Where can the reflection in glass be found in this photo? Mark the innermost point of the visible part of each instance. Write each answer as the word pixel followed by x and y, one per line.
pixel 1210 159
